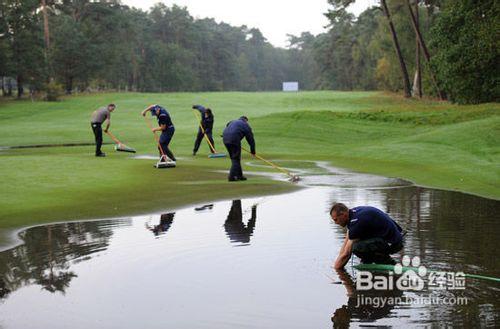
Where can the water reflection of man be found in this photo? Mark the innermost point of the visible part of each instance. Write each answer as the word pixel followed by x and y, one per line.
pixel 365 306
pixel 372 235
pixel 166 221
pixel 234 226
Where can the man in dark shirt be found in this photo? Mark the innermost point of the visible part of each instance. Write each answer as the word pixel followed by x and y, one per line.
pixel 98 117
pixel 372 235
pixel 233 134
pixel 166 127
pixel 206 126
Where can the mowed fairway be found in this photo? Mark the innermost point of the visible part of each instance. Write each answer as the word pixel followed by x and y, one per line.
pixel 431 143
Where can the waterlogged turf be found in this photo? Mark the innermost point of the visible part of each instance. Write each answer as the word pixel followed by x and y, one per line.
pixel 261 262
pixel 430 143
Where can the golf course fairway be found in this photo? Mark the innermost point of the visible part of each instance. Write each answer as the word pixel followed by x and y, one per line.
pixel 430 143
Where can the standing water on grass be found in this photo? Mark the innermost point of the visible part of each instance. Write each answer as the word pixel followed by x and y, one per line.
pixel 252 263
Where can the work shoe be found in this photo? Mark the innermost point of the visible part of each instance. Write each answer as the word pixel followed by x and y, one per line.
pixel 232 179
pixel 242 178
pixel 102 155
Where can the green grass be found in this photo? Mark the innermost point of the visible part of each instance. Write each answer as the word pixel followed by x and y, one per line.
pixel 431 143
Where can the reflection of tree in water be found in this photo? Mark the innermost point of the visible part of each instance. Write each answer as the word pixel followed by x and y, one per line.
pixel 451 222
pixel 453 231
pixel 343 316
pixel 47 252
pixel 4 291
pixel 166 221
pixel 234 226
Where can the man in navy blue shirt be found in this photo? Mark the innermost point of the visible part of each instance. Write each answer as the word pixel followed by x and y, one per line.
pixel 233 134
pixel 166 127
pixel 372 235
pixel 207 123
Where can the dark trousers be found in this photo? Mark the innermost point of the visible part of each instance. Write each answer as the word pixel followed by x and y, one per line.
pixel 375 250
pixel 97 129
pixel 165 138
pixel 234 151
pixel 199 137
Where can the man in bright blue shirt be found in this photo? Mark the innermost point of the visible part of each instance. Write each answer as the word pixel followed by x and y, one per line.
pixel 372 235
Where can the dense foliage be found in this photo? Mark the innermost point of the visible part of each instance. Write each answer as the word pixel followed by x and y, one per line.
pixel 106 45
pixel 466 43
pixel 102 45
pixel 463 48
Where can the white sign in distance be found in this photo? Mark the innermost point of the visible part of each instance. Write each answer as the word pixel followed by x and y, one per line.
pixel 291 86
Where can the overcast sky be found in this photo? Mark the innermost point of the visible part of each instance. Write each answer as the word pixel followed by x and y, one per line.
pixel 274 18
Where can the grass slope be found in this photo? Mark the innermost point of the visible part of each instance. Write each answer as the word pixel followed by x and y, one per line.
pixel 431 143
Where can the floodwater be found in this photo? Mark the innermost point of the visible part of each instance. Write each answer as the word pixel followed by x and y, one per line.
pixel 252 263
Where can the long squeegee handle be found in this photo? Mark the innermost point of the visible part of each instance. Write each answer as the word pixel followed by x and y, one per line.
pixel 113 138
pixel 154 133
pixel 269 163
pixel 205 135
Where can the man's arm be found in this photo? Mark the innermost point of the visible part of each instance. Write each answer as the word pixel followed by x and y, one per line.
pixel 161 127
pixel 250 140
pixel 108 123
pixel 199 108
pixel 344 254
pixel 143 113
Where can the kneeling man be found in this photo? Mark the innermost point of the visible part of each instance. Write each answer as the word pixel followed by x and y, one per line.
pixel 372 235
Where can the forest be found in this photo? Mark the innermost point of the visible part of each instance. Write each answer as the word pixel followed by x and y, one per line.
pixel 445 49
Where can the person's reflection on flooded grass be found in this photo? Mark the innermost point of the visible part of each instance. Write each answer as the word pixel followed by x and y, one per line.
pixel 357 307
pixel 234 226
pixel 166 221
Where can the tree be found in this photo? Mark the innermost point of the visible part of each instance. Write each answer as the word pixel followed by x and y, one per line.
pixel 302 66
pixel 421 44
pixel 73 52
pixel 5 55
pixel 402 64
pixel 466 50
pixel 417 81
pixel 339 11
pixel 25 42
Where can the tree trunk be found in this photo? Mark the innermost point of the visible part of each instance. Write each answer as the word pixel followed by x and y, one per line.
pixel 420 39
pixel 47 38
pixel 3 87
pixel 45 26
pixel 417 83
pixel 9 87
pixel 20 89
pixel 69 85
pixel 135 69
pixel 404 71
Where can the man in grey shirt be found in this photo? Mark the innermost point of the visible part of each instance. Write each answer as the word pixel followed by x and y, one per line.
pixel 98 117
